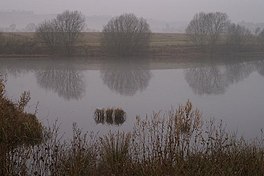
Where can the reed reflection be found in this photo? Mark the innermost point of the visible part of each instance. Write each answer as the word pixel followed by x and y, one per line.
pixel 110 116
pixel 63 80
pixel 126 77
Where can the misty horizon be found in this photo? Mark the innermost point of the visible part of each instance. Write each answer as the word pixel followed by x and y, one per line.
pixel 169 10
pixel 21 19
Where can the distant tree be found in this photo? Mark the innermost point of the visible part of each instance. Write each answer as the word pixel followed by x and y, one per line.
pixel 238 36
pixel 205 28
pixel 126 35
pixel 63 31
pixel 31 27
pixel 12 28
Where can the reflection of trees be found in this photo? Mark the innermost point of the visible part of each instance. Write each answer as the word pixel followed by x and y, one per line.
pixel 238 72
pixel 110 121
pixel 126 78
pixel 65 81
pixel 215 79
pixel 205 80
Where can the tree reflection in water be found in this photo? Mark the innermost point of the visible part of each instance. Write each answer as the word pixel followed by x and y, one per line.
pixel 260 67
pixel 205 80
pixel 126 77
pixel 64 80
pixel 211 79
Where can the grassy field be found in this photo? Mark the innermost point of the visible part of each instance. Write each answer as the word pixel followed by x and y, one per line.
pixel 93 38
pixel 26 44
pixel 161 44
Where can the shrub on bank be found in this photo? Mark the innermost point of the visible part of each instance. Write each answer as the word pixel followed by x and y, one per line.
pixel 17 128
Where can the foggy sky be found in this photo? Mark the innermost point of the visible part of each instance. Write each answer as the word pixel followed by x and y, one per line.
pixel 170 10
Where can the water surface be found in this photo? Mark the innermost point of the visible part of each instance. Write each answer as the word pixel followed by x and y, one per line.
pixel 71 89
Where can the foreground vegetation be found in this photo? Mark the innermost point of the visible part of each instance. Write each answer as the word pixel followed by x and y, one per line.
pixel 178 142
pixel 17 128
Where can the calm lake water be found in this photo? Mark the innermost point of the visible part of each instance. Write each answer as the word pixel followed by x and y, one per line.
pixel 71 90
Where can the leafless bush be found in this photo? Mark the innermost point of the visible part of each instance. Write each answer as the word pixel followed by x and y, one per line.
pixel 205 28
pixel 126 35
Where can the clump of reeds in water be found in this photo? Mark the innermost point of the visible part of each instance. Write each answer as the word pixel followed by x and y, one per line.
pixel 116 116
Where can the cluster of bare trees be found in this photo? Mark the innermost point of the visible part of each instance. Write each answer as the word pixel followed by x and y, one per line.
pixel 126 35
pixel 60 34
pixel 215 28
pixel 211 29
pixel 122 35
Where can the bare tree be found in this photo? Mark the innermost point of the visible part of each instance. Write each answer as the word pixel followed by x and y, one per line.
pixel 69 25
pixel 205 28
pixel 126 35
pixel 62 32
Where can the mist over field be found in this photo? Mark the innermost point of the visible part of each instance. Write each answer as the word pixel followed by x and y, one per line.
pixel 163 16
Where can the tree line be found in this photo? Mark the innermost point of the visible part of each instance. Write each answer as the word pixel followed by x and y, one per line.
pixel 128 34
pixel 211 29
pixel 122 35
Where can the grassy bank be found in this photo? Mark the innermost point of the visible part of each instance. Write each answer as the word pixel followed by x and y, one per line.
pixel 178 142
pixel 26 43
pixel 161 44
